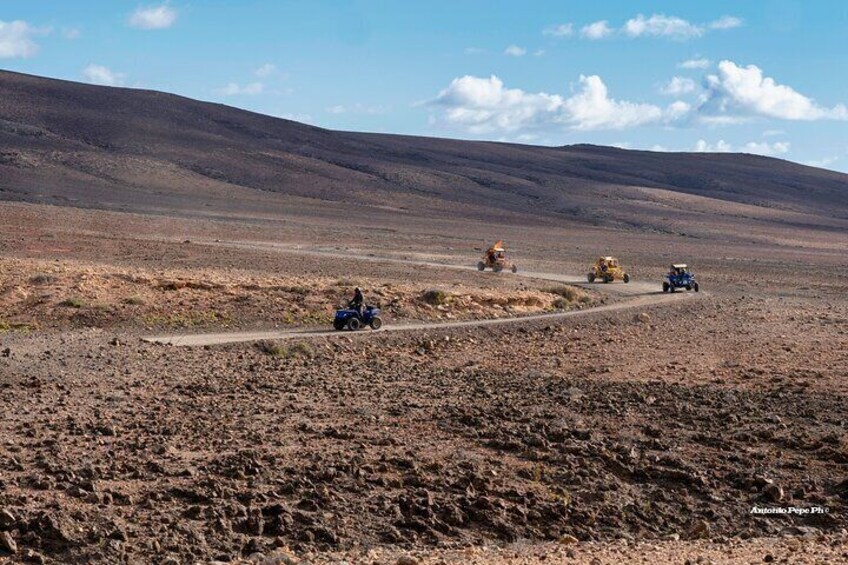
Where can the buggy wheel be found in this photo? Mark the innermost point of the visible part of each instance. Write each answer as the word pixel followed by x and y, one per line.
pixel 696 287
pixel 671 288
pixel 338 326
pixel 607 279
pixel 354 324
pixel 481 266
pixel 688 287
pixel 590 277
pixel 626 278
pixel 514 269
pixel 665 287
pixel 376 323
pixel 497 268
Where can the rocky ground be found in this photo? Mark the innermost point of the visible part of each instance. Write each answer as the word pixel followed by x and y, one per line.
pixel 649 433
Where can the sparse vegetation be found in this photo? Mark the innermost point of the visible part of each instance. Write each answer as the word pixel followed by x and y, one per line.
pixel 134 300
pixel 436 297
pixel 569 293
pixel 73 302
pixel 275 349
pixel 42 279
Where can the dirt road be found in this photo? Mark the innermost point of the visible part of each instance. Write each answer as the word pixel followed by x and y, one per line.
pixel 642 293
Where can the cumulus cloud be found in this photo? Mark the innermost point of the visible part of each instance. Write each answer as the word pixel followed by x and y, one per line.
pixel 98 74
pixel 822 163
pixel 473 51
pixel 726 22
pixel 485 105
pixel 16 39
pixel 660 25
pixel 153 17
pixel 266 70
pixel 698 63
pixel 677 86
pixel 515 51
pixel 560 30
pixel 721 146
pixel 596 30
pixel 763 148
pixel 754 147
pixel 235 89
pixel 738 91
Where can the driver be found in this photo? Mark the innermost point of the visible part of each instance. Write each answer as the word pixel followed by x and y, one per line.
pixel 358 300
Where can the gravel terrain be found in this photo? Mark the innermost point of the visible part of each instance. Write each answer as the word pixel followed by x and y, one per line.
pixel 649 432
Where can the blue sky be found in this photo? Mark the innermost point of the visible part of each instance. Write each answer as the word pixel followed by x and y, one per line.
pixel 762 76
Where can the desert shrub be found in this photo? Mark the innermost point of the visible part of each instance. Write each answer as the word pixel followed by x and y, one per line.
pixel 302 290
pixel 561 303
pixel 134 301
pixel 43 279
pixel 435 297
pixel 73 302
pixel 300 349
pixel 569 293
pixel 584 299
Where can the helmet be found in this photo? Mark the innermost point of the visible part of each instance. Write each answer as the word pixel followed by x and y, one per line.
pixel 358 289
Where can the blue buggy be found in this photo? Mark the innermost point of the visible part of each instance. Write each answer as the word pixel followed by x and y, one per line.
pixel 353 319
pixel 679 276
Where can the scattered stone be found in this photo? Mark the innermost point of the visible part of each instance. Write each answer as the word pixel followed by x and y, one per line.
pixel 643 318
pixel 700 529
pixel 774 492
pixel 8 544
pixel 7 519
pixel 568 539
pixel 406 560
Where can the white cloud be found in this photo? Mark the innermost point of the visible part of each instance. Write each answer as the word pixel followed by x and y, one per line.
pixel 72 33
pixel 16 39
pixel 739 91
pixel 754 147
pixel 726 22
pixel 560 30
pixel 720 147
pixel 538 52
pixel 677 86
pixel 485 105
pixel 266 70
pixel 699 63
pixel 660 25
pixel 473 51
pixel 153 17
pixel 235 89
pixel 764 148
pixel 596 30
pixel 98 74
pixel 357 109
pixel 822 163
pixel 515 51
pixel 773 132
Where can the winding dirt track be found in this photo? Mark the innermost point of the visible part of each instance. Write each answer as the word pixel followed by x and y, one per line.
pixel 643 294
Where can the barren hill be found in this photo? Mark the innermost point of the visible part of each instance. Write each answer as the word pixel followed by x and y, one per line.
pixel 90 146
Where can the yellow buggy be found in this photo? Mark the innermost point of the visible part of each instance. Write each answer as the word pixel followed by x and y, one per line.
pixel 608 269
